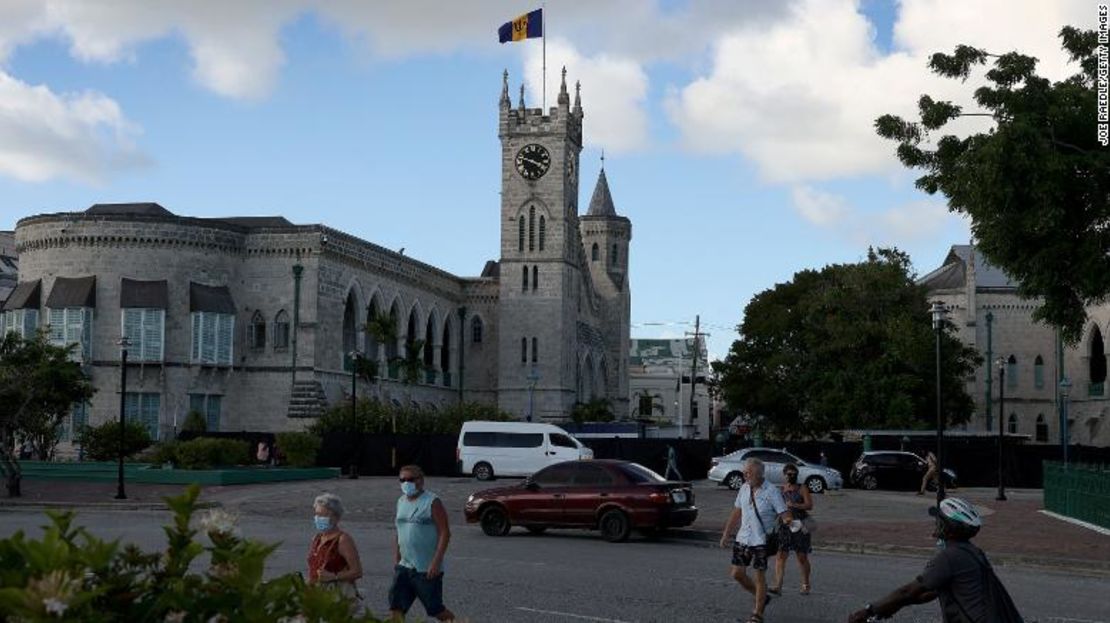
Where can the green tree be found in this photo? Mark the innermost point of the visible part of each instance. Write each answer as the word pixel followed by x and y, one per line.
pixel 596 410
pixel 39 385
pixel 1036 186
pixel 848 346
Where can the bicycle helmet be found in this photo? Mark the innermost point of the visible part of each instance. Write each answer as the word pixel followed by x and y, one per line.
pixel 959 517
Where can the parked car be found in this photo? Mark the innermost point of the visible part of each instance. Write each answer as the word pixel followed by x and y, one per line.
pixel 892 469
pixel 612 496
pixel 727 469
pixel 490 449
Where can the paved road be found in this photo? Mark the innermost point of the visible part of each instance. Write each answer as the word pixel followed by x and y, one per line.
pixel 572 577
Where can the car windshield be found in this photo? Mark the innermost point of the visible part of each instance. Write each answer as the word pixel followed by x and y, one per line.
pixel 638 473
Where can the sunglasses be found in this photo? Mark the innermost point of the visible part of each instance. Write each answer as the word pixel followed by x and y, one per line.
pixel 409 479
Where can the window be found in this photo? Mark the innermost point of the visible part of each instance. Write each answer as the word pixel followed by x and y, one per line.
pixel 22 321
pixel 523 350
pixel 591 474
pixel 78 418
pixel 535 349
pixel 523 278
pixel 647 403
pixel 257 336
pixel 1011 372
pixel 72 325
pixel 535 277
pixel 207 405
pixel 613 259
pixel 1042 428
pixel 212 338
pixel 1012 426
pixel 503 440
pixel 638 473
pixel 520 234
pixel 556 475
pixel 561 440
pixel 593 253
pixel 532 228
pixel 281 331
pixel 543 231
pixel 476 330
pixel 143 408
pixel 145 329
pixel 1038 372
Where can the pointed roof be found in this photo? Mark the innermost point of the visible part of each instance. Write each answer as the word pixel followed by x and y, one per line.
pixel 602 202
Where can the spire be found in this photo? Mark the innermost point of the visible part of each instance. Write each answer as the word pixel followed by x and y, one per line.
pixel 602 202
pixel 577 96
pixel 522 97
pixel 564 98
pixel 505 103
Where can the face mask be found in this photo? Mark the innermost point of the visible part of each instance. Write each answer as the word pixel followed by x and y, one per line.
pixel 323 524
pixel 409 488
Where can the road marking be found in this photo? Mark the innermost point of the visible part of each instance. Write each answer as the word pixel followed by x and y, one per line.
pixel 569 615
pixel 1077 522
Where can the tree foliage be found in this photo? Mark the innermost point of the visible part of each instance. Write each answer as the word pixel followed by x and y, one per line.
pixel 847 346
pixel 102 443
pixel 39 385
pixel 596 410
pixel 374 416
pixel 1037 186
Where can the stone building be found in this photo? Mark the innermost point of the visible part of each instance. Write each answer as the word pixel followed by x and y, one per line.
pixel 251 320
pixel 659 376
pixel 991 317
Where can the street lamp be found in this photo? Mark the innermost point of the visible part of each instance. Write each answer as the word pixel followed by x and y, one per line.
pixel 354 357
pixel 938 312
pixel 1065 386
pixel 533 376
pixel 1001 408
pixel 123 343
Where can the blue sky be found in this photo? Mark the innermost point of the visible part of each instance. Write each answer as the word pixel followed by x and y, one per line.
pixel 737 133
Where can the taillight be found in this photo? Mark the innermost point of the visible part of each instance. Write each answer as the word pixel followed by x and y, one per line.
pixel 659 498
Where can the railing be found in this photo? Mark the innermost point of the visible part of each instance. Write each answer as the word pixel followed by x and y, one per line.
pixel 1096 389
pixel 1078 491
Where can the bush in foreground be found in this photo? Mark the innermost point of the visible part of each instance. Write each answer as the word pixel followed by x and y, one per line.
pixel 70 575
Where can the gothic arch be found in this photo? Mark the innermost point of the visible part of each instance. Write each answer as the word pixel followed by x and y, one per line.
pixel 480 332
pixel 1096 352
pixel 350 332
pixel 391 349
pixel 372 348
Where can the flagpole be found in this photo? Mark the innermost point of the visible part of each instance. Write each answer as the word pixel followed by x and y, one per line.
pixel 543 37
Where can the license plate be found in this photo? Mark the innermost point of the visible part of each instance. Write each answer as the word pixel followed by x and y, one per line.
pixel 679 497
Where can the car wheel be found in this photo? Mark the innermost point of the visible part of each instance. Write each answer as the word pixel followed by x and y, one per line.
pixel 483 471
pixel 537 529
pixel 816 484
pixel 734 480
pixel 615 526
pixel 869 482
pixel 495 522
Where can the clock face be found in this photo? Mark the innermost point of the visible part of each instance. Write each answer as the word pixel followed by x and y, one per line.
pixel 532 161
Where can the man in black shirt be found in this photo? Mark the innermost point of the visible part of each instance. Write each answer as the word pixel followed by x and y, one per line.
pixel 958 577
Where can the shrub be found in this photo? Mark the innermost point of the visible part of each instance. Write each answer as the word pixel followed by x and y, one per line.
pixel 161 453
pixel 206 453
pixel 299 449
pixel 101 443
pixel 194 423
pixel 70 575
pixel 373 416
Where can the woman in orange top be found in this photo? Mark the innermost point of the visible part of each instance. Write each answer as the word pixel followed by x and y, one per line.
pixel 332 557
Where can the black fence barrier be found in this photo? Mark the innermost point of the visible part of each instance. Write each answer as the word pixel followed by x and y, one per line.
pixel 373 453
pixel 693 455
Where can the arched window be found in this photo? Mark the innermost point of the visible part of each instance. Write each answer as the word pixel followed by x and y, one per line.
pixel 410 334
pixel 524 278
pixel 535 277
pixel 391 345
pixel 1038 372
pixel 520 234
pixel 429 339
pixel 476 330
pixel 258 331
pixel 373 348
pixel 445 355
pixel 350 330
pixel 613 259
pixel 532 228
pixel 281 330
pixel 594 253
pixel 1012 426
pixel 543 231
pixel 1042 429
pixel 535 349
pixel 1011 372
pixel 523 350
pixel 1097 366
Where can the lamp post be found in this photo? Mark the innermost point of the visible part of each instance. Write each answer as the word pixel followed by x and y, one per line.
pixel 1001 409
pixel 1065 386
pixel 354 356
pixel 533 376
pixel 123 344
pixel 938 312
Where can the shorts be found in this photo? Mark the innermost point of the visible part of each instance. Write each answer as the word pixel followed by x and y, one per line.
pixel 754 556
pixel 800 541
pixel 410 585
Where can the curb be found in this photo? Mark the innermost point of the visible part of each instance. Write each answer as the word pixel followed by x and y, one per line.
pixel 9 507
pixel 1071 565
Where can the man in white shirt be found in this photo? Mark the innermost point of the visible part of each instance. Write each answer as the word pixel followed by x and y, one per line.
pixel 758 508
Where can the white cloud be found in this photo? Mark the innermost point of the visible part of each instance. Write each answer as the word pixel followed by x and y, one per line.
pixel 819 208
pixel 799 99
pixel 900 225
pixel 80 136
pixel 613 93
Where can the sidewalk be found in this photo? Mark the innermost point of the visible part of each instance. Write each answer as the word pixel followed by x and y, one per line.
pixel 92 495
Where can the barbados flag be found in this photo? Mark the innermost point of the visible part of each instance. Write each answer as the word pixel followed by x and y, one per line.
pixel 527 26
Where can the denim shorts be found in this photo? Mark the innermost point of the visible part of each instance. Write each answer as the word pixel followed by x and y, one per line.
pixel 410 585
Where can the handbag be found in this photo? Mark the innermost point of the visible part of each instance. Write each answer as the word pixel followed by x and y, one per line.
pixel 770 539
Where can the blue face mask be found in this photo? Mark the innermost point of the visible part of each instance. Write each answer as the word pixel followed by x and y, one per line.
pixel 323 524
pixel 409 488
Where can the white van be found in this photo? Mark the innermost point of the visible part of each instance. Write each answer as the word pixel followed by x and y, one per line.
pixel 488 449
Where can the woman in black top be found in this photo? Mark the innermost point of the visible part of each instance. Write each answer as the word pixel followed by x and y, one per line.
pixel 800 502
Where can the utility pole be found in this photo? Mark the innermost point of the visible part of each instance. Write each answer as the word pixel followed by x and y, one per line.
pixel 694 370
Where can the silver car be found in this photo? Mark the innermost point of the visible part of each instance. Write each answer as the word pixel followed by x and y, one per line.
pixel 727 469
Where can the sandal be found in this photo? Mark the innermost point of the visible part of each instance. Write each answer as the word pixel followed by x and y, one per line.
pixel 805 589
pixel 775 591
pixel 755 618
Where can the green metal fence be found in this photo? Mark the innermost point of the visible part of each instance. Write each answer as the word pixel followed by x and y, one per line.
pixel 1078 491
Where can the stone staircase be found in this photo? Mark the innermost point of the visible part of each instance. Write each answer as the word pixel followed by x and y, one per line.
pixel 308 400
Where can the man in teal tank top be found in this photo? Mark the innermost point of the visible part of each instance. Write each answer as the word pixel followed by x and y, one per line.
pixel 422 536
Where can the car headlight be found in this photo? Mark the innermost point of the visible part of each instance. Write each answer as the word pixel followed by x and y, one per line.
pixel 470 500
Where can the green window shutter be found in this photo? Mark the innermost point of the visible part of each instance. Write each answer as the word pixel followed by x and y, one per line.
pixel 195 351
pixel 151 405
pixel 208 337
pixel 213 413
pixel 30 322
pixel 86 333
pixel 152 320
pixel 226 325
pixel 57 326
pixel 132 330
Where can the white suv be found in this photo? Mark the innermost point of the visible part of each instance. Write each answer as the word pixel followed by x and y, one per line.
pixel 728 469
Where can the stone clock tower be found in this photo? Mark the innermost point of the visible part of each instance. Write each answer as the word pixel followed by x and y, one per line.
pixel 541 271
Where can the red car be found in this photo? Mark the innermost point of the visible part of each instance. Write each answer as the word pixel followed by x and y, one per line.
pixel 612 496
